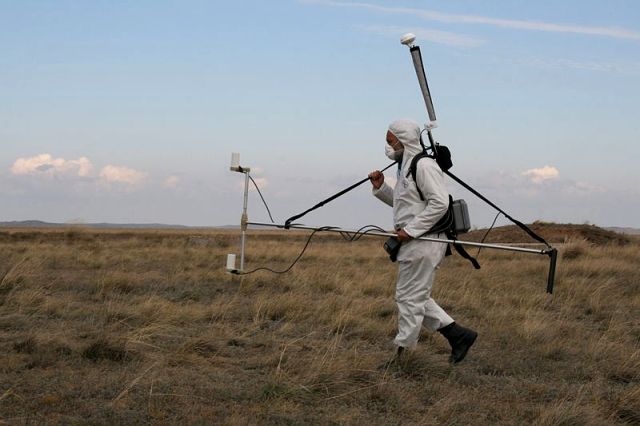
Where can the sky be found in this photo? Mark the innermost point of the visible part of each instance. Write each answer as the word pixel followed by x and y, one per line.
pixel 128 112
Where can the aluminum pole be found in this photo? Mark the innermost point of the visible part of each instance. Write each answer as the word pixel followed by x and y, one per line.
pixel 390 234
pixel 244 219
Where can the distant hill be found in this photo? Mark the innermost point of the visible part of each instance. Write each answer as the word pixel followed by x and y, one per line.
pixel 628 231
pixel 29 224
pixel 552 232
pixel 41 224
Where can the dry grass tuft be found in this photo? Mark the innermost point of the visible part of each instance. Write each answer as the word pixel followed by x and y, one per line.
pixel 103 349
pixel 575 248
pixel 26 346
pixel 121 327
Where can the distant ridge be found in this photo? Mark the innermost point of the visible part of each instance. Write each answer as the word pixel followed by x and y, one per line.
pixel 42 224
pixel 620 230
pixel 504 233
pixel 552 232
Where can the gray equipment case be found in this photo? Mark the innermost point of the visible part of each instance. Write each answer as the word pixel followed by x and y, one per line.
pixel 461 221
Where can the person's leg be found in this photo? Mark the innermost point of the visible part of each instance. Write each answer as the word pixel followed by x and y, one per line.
pixel 434 316
pixel 436 319
pixel 415 275
pixel 410 299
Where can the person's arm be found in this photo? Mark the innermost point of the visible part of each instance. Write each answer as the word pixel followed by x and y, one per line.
pixel 380 189
pixel 430 180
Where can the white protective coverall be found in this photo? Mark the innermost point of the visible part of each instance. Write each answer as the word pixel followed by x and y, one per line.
pixel 417 260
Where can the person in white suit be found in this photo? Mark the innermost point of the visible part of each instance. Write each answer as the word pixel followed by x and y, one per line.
pixel 417 259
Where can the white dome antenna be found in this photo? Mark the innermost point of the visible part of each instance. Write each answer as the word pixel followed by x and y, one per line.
pixel 408 39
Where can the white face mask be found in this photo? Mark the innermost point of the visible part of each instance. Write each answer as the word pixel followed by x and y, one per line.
pixel 392 153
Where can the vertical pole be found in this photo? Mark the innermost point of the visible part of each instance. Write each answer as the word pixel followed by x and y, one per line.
pixel 244 219
pixel 553 255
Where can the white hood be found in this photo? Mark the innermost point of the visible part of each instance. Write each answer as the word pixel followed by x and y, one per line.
pixel 408 133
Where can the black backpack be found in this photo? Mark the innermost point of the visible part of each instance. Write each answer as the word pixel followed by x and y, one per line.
pixel 442 156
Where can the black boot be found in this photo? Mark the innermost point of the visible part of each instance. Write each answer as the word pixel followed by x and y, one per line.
pixel 460 339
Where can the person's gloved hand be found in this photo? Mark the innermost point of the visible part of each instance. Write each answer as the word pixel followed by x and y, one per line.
pixel 377 178
pixel 403 236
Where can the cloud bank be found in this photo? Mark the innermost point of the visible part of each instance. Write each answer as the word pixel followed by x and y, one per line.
pixel 46 165
pixel 542 174
pixel 171 182
pixel 121 174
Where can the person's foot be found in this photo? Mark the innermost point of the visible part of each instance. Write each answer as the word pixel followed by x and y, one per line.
pixel 460 339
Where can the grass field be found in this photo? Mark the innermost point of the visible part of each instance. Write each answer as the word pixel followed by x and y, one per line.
pixel 144 326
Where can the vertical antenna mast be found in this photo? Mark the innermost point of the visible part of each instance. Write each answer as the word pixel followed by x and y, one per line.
pixel 416 56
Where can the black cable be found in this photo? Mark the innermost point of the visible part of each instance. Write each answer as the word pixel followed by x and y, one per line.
pixel 263 201
pixel 360 232
pixel 346 235
pixel 288 222
pixel 294 262
pixel 487 233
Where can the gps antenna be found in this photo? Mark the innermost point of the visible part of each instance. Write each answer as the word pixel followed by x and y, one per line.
pixel 408 40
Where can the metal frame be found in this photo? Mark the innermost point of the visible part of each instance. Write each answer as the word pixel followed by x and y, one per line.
pixel 549 251
pixel 407 40
pixel 391 234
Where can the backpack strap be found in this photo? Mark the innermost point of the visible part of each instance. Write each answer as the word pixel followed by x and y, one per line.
pixel 414 166
pixel 461 250
pixel 446 221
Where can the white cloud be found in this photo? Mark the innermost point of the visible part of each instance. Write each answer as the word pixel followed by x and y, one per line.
pixel 431 15
pixel 534 183
pixel 171 182
pixel 122 175
pixel 558 199
pixel 542 174
pixel 261 182
pixel 434 36
pixel 46 165
pixel 630 68
pixel 583 188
